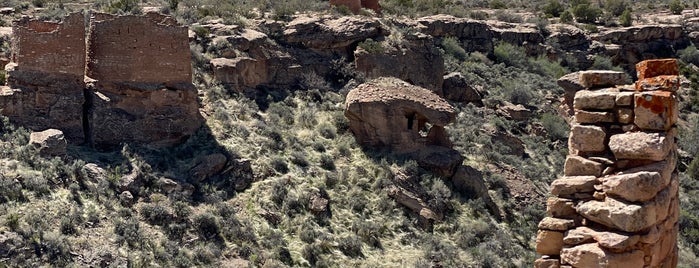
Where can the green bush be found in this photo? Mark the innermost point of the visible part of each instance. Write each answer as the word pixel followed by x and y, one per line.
pixel 676 7
pixel 626 19
pixel 510 54
pixel 556 127
pixel 553 8
pixel 586 13
pixel 372 46
pixel 207 226
pixel 452 47
pixel 156 214
pixel 615 7
pixel 566 17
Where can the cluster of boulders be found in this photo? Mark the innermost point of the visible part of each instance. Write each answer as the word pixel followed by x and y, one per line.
pixel 617 203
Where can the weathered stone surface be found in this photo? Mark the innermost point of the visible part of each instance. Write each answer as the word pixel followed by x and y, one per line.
pixel 561 208
pixel 616 242
pixel 652 68
pixel 595 99
pixel 602 78
pixel 327 32
pixel 556 224
pixel 635 187
pixel 587 138
pixel 415 62
pixel 640 33
pixel 456 88
pixel 443 161
pixel 408 192
pixel 318 204
pixel 656 110
pixel 515 112
pixel 571 82
pixel 624 99
pixel 624 115
pixel 208 166
pixel 547 263
pixel 511 143
pixel 580 166
pixel 592 256
pixel 588 117
pixel 640 145
pixel 387 112
pixel 663 82
pixel 469 182
pixel 549 242
pixel 570 185
pixel 240 72
pixel 617 214
pixel 50 142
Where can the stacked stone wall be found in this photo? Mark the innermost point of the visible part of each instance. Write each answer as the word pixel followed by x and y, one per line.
pixel 617 203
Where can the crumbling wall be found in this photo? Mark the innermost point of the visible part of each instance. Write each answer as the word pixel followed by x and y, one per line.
pixel 50 47
pixel 138 49
pixel 617 203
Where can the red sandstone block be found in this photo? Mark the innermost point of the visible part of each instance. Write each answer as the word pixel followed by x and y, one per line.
pixel 655 110
pixel 652 68
pixel 661 82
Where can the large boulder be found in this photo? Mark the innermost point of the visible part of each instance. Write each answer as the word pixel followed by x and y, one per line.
pixel 456 88
pixel 50 142
pixel 388 112
pixel 327 32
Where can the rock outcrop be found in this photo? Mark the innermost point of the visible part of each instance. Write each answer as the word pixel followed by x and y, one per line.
pixel 388 112
pixel 617 204
pixel 130 82
pixel 50 142
pixel 356 5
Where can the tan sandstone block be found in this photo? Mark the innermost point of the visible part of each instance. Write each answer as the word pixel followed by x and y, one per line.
pixel 568 186
pixel 620 215
pixel 624 99
pixel 547 263
pixel 635 187
pixel 580 166
pixel 549 242
pixel 587 138
pixel 617 242
pixel 656 110
pixel 561 208
pixel 604 99
pixel 602 78
pixel 588 117
pixel 592 256
pixel 556 224
pixel 641 146
pixel 624 115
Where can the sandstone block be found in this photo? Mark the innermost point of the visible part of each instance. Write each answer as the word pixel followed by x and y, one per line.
pixel 624 115
pixel 587 138
pixel 580 166
pixel 547 263
pixel 584 117
pixel 652 68
pixel 556 224
pixel 571 82
pixel 616 242
pixel 656 110
pixel 618 214
pixel 662 82
pixel 561 208
pixel 594 99
pixel 593 256
pixel 549 242
pixel 641 146
pixel 635 187
pixel 624 99
pixel 50 142
pixel 456 88
pixel 570 185
pixel 602 78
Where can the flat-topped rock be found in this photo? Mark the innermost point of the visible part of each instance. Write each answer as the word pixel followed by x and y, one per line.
pixel 641 145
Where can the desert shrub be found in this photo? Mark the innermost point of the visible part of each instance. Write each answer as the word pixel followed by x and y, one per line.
pixel 626 19
pixel 156 214
pixel 676 7
pixel 299 158
pixel 555 126
pixel 510 55
pixel 604 63
pixel 553 8
pixel 207 226
pixel 453 48
pixel 351 246
pixel 123 7
pixel 566 17
pixel 690 55
pixel 327 162
pixel 508 16
pixel 615 7
pixel 372 46
pixel 497 4
pixel 279 165
pixel 10 189
pixel 128 230
pixel 56 247
pixel 327 130
pixel 478 15
pixel 586 13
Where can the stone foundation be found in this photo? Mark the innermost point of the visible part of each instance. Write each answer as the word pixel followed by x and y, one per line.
pixel 617 203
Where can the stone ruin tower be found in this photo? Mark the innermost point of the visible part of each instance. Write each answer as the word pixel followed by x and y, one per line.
pixel 127 79
pixel 617 203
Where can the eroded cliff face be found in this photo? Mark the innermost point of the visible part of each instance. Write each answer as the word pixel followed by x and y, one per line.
pixel 130 82
pixel 617 204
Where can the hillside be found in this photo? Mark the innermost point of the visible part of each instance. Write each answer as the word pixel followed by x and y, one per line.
pixel 275 177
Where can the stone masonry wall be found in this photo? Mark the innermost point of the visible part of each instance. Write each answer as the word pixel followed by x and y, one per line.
pixel 50 47
pixel 138 49
pixel 617 203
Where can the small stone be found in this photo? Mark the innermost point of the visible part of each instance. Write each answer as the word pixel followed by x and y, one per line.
pixel 547 263
pixel 579 166
pixel 599 195
pixel 126 198
pixel 556 224
pixel 549 242
pixel 652 68
pixel 624 99
pixel 587 138
pixel 641 146
pixel 656 110
pixel 624 115
pixel 570 185
pixel 584 117
pixel 594 100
